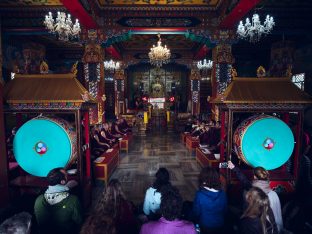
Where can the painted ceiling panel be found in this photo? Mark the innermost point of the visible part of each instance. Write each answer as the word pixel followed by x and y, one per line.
pixel 211 3
pixel 31 3
pixel 141 42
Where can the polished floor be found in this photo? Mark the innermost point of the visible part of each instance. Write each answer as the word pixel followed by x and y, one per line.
pixel 146 154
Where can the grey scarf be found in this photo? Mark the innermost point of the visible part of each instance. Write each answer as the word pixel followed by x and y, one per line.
pixel 262 184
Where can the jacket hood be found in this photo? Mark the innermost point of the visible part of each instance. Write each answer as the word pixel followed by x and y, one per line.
pixel 56 194
pixel 212 195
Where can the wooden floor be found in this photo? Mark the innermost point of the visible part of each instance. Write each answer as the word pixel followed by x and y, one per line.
pixel 146 154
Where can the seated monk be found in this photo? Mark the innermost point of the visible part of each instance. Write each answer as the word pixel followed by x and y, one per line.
pixel 97 148
pixel 124 126
pixel 115 130
pixel 197 130
pixel 103 138
pixel 112 131
pixel 205 136
pixel 108 134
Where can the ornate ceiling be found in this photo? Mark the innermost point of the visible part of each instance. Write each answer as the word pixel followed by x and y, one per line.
pixel 144 42
pixel 31 3
pixel 209 3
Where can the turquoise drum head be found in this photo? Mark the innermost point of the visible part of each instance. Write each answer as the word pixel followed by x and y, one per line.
pixel 41 145
pixel 267 142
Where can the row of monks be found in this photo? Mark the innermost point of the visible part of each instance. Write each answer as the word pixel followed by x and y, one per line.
pixel 208 133
pixel 107 135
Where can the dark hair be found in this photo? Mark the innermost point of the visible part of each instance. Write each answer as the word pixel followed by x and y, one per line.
pixel 100 222
pixel 19 223
pixel 171 203
pixel 162 178
pixel 261 173
pixel 55 176
pixel 210 178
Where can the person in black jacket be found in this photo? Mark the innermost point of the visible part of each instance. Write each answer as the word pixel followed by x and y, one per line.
pixel 258 217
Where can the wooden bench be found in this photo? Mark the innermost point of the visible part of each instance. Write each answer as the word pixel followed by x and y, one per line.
pixel 191 142
pixel 124 142
pixel 206 159
pixel 183 137
pixel 105 165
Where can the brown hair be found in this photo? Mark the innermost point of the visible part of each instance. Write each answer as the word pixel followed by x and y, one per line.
pixel 210 178
pixel 112 196
pixel 258 206
pixel 261 173
pixel 100 222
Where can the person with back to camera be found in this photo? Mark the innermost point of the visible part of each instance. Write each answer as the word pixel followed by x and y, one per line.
pixel 257 217
pixel 261 180
pixel 153 194
pixel 170 209
pixel 210 203
pixel 113 213
pixel 57 211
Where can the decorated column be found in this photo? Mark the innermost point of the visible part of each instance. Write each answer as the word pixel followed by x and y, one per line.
pixel 195 92
pixel 94 78
pixel 4 186
pixel 222 64
pixel 119 84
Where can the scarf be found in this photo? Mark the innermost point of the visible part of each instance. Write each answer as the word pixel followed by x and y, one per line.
pixel 262 184
pixel 55 194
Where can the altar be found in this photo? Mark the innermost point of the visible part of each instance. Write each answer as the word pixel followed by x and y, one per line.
pixel 157 103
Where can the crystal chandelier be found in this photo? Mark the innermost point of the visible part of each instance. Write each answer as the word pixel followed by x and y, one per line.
pixel 63 26
pixel 111 65
pixel 253 30
pixel 204 64
pixel 159 55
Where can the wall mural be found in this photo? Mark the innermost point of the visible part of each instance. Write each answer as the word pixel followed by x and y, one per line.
pixel 24 58
pixel 159 22
pixel 212 3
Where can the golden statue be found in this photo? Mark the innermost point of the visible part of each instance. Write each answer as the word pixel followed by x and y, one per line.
pixel 158 89
pixel 233 72
pixel 44 68
pixel 261 72
pixel 288 71
pixel 74 68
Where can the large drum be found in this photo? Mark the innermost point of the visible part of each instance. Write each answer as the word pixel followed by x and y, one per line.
pixel 264 141
pixel 42 144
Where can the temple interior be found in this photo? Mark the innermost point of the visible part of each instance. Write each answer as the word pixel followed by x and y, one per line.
pixel 201 106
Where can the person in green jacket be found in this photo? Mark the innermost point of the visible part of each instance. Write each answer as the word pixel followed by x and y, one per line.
pixel 57 211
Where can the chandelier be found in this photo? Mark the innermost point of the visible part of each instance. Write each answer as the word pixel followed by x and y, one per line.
pixel 159 55
pixel 111 65
pixel 63 26
pixel 204 64
pixel 253 30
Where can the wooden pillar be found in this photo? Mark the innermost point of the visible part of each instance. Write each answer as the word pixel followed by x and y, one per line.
pixel 195 92
pixel 119 88
pixel 222 136
pixel 222 65
pixel 4 181
pixel 229 142
pixel 87 143
pixel 298 139
pixel 94 77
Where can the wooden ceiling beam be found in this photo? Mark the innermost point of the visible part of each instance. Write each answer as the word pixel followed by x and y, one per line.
pixel 239 11
pixel 78 11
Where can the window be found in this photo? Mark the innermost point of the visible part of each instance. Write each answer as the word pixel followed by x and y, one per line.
pixel 298 80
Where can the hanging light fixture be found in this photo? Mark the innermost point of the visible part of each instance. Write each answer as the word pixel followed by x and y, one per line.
pixel 111 65
pixel 159 55
pixel 63 26
pixel 204 64
pixel 253 31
